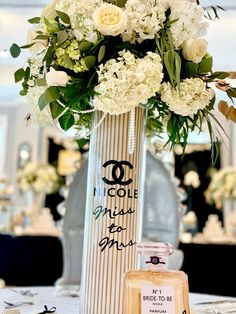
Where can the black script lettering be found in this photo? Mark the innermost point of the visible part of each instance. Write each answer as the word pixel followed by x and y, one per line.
pixel 114 228
pixel 98 211
pixel 106 242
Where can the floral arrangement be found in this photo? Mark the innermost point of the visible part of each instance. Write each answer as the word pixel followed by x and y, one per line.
pixel 89 55
pixel 38 178
pixel 222 185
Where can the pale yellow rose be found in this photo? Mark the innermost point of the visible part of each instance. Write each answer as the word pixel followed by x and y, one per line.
pixel 194 49
pixel 49 11
pixel 57 78
pixel 109 20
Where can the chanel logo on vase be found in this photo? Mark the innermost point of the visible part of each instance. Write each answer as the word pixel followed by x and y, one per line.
pixel 118 172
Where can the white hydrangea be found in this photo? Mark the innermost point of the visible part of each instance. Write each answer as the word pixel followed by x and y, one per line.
pixel 80 13
pixel 190 23
pixel 145 19
pixel 34 93
pixel 128 82
pixel 191 97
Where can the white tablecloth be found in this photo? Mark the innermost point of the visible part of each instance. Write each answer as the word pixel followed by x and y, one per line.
pixel 66 305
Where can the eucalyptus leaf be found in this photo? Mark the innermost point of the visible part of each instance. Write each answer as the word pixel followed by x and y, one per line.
pixel 64 17
pixel 231 92
pixel 49 56
pixel 41 36
pixel 66 120
pixel 101 53
pixel 85 45
pixel 62 37
pixel 90 61
pixel 68 61
pixel 42 103
pixel 27 46
pixel 19 75
pixel 219 75
pixel 56 109
pixel 15 50
pixel 34 20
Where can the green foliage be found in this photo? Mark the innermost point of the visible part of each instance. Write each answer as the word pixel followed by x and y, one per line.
pixel 15 50
pixel 64 17
pixel 56 109
pixel 67 120
pixel 19 75
pixel 34 20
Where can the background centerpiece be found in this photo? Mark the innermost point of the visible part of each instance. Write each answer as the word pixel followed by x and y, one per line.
pixel 124 61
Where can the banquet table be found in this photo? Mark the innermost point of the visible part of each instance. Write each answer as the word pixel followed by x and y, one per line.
pixel 67 304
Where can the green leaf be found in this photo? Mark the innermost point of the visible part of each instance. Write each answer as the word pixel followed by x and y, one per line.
pixel 15 50
pixel 231 92
pixel 19 75
pixel 177 69
pixel 61 37
pixel 85 45
pixel 56 109
pixel 50 26
pixel 190 68
pixel 66 120
pixel 121 3
pixel 82 142
pixel 219 75
pixel 41 36
pixel 27 73
pixel 205 66
pixel 34 20
pixel 64 17
pixel 27 46
pixel 49 56
pixel 169 64
pixel 51 94
pixel 90 61
pixel 42 103
pixel 41 82
pixel 68 61
pixel 101 53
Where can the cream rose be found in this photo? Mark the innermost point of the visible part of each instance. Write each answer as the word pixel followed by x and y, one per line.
pixel 194 49
pixel 56 78
pixel 109 20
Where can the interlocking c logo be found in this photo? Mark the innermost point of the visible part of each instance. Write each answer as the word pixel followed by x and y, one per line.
pixel 117 165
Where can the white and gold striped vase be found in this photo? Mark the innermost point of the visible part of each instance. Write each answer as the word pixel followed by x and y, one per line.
pixel 113 220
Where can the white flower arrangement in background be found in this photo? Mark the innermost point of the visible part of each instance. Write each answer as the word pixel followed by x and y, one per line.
pixel 222 185
pixel 37 177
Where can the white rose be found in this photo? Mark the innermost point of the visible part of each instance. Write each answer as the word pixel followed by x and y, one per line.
pixel 109 19
pixel 194 49
pixel 49 11
pixel 40 44
pixel 56 78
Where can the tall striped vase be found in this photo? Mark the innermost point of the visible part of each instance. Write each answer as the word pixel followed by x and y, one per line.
pixel 113 220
